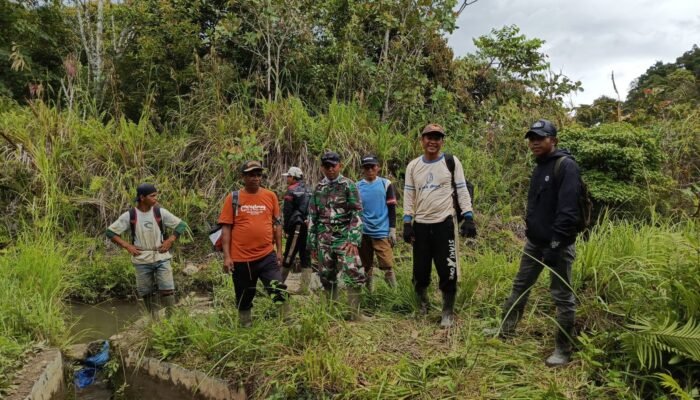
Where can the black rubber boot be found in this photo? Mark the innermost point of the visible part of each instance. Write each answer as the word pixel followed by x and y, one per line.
pixel 512 316
pixel 563 346
pixel 448 304
pixel 423 301
pixel 245 318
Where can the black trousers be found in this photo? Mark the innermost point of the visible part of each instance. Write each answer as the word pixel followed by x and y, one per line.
pixel 296 244
pixel 435 243
pixel 245 280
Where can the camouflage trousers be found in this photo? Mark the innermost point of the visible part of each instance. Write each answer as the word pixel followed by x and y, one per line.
pixel 332 260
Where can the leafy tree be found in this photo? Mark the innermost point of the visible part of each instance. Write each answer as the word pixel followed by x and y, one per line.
pixel 621 164
pixel 603 110
pixel 34 38
pixel 669 90
pixel 510 67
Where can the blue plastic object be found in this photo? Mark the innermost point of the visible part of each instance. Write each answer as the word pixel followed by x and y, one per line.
pixel 84 377
pixel 99 359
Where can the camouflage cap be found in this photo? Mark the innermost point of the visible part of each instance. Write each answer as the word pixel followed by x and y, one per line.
pixel 433 128
pixel 251 165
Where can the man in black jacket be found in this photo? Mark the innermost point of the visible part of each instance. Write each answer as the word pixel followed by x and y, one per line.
pixel 552 217
pixel 295 211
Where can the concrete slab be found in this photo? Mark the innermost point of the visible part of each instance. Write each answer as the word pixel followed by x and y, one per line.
pixel 41 378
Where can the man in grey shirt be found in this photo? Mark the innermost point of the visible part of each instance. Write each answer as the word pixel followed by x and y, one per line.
pixel 149 249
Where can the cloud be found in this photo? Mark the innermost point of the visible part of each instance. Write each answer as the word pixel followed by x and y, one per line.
pixel 588 40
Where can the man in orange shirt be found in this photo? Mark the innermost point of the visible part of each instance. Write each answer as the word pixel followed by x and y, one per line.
pixel 250 234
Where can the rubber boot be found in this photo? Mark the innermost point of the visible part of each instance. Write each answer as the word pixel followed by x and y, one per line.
pixel 354 297
pixel 285 273
pixel 423 301
pixel 508 325
pixel 390 278
pixel 168 302
pixel 245 318
pixel 369 282
pixel 448 304
pixel 284 310
pixel 562 347
pixel 331 294
pixel 152 306
pixel 305 280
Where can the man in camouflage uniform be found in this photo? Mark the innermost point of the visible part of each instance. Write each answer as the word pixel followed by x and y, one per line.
pixel 335 232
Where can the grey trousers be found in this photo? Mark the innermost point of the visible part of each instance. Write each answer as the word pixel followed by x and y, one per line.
pixel 560 286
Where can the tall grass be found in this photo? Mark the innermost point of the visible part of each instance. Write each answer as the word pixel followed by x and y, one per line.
pixel 626 272
pixel 32 287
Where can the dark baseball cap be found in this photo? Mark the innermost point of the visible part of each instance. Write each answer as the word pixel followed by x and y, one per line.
pixel 144 189
pixel 330 157
pixel 543 128
pixel 370 160
pixel 251 165
pixel 433 128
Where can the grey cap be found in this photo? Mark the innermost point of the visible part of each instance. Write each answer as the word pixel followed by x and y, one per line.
pixel 294 172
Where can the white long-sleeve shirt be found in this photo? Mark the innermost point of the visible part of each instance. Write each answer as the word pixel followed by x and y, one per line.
pixel 428 190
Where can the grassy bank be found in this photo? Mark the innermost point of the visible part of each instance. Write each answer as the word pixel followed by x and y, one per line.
pixel 632 282
pixel 32 288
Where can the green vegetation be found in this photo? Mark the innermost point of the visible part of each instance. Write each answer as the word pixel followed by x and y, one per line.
pixel 398 355
pixel 101 96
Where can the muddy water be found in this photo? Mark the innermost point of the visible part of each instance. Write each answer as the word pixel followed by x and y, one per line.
pixel 141 387
pixel 100 321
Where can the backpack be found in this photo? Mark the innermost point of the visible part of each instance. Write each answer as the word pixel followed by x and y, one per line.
pixel 215 235
pixel 156 214
pixel 584 203
pixel 450 161
pixel 300 210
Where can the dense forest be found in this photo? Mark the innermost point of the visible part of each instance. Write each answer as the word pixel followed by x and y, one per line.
pixel 97 96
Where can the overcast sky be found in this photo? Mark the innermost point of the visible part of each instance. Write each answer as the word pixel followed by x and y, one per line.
pixel 587 39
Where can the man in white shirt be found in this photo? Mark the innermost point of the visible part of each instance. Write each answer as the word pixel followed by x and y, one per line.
pixel 429 219
pixel 149 249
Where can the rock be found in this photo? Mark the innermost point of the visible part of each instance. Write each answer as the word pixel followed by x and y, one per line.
pixel 190 269
pixel 76 352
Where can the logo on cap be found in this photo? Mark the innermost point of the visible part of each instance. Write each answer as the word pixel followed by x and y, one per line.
pixel 370 160
pixel 330 157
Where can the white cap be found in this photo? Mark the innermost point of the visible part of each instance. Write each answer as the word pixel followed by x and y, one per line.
pixel 294 172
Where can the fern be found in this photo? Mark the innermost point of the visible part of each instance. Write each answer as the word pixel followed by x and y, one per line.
pixel 674 387
pixel 648 340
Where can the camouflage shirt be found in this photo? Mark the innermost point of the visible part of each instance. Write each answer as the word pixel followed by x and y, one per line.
pixel 334 213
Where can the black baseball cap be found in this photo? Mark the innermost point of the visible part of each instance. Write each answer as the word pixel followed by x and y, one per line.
pixel 369 160
pixel 251 165
pixel 144 189
pixel 330 157
pixel 543 128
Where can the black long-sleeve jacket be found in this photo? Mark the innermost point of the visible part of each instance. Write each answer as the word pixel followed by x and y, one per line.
pixel 552 202
pixel 296 205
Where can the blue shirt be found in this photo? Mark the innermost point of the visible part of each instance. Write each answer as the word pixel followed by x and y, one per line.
pixel 376 196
